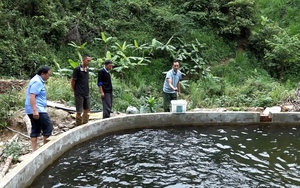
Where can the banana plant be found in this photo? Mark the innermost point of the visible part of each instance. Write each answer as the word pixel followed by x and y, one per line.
pixel 106 40
pixel 141 48
pixel 157 45
pixel 79 48
pixel 108 55
pixel 151 103
pixel 62 71
pixel 122 47
pixel 168 47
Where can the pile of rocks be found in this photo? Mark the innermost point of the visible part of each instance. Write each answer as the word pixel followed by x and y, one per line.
pixel 7 85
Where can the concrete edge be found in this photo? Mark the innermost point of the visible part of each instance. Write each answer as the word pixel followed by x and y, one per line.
pixel 25 172
pixel 286 117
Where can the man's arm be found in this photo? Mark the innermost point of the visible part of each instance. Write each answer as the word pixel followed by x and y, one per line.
pixel 178 86
pixel 170 84
pixel 33 106
pixel 73 79
pixel 101 91
pixel 73 84
pixel 100 83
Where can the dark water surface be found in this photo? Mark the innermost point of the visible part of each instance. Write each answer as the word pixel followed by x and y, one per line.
pixel 211 156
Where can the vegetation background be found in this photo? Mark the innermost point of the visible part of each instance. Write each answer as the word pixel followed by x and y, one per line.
pixel 234 53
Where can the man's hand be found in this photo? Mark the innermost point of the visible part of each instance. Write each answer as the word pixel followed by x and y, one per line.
pixel 102 94
pixel 36 114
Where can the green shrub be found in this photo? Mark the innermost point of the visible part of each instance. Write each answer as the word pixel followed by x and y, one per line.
pixel 11 101
pixel 13 149
pixel 59 89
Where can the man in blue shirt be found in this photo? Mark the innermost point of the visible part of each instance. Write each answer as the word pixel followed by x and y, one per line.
pixel 171 85
pixel 35 107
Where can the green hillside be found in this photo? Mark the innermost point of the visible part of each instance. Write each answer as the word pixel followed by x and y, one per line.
pixel 233 53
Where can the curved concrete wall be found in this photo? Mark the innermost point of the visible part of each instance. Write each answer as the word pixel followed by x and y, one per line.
pixel 23 175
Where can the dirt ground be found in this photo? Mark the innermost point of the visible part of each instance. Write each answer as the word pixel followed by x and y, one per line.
pixel 17 130
pixel 17 123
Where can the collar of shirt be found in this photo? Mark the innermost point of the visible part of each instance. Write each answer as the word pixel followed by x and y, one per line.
pixel 40 78
pixel 105 69
pixel 83 69
pixel 174 72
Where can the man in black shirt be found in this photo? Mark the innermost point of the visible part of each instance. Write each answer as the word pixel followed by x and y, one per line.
pixel 80 87
pixel 105 88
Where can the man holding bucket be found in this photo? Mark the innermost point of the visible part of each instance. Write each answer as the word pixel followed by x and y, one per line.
pixel 171 85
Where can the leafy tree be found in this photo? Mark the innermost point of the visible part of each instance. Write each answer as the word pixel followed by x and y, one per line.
pixel 193 63
pixel 263 32
pixel 239 18
pixel 284 50
pixel 232 19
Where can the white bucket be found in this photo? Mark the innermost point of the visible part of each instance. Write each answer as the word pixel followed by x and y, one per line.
pixel 178 106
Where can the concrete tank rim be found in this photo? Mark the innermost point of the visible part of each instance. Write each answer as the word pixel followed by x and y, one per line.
pixel 24 174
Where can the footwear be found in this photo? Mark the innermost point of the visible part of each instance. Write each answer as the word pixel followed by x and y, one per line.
pixel 78 120
pixel 85 119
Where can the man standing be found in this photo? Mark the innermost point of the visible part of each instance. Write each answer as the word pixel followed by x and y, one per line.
pixel 35 107
pixel 80 87
pixel 171 85
pixel 105 88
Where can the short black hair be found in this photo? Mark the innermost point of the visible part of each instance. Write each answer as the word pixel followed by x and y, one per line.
pixel 176 61
pixel 43 69
pixel 85 56
pixel 106 62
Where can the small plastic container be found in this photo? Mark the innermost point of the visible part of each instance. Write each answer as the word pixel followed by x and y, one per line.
pixel 178 106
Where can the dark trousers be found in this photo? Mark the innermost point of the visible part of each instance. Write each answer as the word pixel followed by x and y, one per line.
pixel 43 124
pixel 107 104
pixel 167 100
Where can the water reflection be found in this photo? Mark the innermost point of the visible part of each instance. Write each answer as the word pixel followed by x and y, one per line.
pixel 212 156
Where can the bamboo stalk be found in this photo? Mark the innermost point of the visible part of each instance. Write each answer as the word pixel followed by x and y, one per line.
pixel 26 136
pixel 6 166
pixel 27 121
